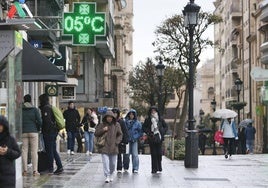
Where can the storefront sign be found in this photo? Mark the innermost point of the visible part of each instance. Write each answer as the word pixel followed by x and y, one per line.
pixel 84 24
pixel 51 90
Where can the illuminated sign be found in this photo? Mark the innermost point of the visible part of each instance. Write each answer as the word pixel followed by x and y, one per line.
pixel 18 7
pixel 84 24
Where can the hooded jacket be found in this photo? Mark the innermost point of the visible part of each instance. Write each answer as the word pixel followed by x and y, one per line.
pixel 113 135
pixel 31 119
pixel 134 127
pixel 250 132
pixel 7 161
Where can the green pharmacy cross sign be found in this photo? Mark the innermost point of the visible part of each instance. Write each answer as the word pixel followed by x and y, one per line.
pixel 84 24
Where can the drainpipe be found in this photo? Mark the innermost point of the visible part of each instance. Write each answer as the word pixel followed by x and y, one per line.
pixel 249 61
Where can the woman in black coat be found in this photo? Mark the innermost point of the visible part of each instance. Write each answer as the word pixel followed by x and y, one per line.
pixel 9 151
pixel 155 127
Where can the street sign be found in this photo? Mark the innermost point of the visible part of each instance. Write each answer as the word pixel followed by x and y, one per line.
pixel 84 24
pixel 259 74
pixel 36 44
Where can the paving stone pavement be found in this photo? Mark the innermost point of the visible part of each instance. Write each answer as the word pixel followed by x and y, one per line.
pixel 81 171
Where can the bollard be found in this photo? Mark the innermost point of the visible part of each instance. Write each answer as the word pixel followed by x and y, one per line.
pixel 191 149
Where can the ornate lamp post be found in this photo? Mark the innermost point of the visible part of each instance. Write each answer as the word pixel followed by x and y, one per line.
pixel 213 104
pixel 190 13
pixel 238 87
pixel 160 68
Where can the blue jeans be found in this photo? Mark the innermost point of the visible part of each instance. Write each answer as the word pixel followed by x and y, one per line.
pixel 50 146
pixel 89 141
pixel 71 140
pixel 133 151
pixel 108 161
pixel 250 145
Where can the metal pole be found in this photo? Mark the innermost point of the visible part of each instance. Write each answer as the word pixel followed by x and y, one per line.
pixel 238 110
pixel 160 96
pixel 191 81
pixel 191 145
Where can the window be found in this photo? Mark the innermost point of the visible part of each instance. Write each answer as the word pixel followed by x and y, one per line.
pixel 68 93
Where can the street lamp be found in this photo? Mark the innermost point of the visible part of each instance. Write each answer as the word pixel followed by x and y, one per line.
pixel 190 13
pixel 160 69
pixel 238 87
pixel 213 104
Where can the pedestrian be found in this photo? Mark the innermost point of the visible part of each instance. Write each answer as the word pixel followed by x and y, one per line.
pixel 72 125
pixel 90 121
pixel 250 132
pixel 229 136
pixel 109 151
pixel 202 138
pixel 155 127
pixel 241 149
pixel 31 125
pixel 9 152
pixel 124 142
pixel 134 129
pixel 50 133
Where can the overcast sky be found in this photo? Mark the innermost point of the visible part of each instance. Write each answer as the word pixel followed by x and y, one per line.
pixel 148 14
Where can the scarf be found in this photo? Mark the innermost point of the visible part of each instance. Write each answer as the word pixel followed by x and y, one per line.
pixel 154 127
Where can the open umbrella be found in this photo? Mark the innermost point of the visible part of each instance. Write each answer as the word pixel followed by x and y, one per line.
pixel 245 122
pixel 205 130
pixel 224 113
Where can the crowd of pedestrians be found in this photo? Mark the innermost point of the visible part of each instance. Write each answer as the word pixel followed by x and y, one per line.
pixel 114 136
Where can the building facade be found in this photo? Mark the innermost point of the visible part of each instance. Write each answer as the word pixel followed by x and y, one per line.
pixel 240 48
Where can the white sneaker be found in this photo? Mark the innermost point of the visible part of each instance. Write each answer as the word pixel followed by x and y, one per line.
pixel 72 152
pixel 111 178
pixel 135 171
pixel 87 153
pixel 69 152
pixel 107 180
pixel 119 171
pixel 90 153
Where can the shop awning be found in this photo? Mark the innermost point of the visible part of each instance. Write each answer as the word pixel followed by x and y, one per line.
pixel 37 68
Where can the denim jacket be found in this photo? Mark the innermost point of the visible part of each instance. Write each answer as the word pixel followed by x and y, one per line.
pixel 134 127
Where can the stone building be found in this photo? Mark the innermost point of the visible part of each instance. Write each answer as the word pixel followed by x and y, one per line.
pixel 240 48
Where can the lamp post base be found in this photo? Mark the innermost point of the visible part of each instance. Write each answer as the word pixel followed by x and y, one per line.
pixel 191 149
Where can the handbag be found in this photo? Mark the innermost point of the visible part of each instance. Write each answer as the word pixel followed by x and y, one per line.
pixel 100 140
pixel 155 138
pixel 218 137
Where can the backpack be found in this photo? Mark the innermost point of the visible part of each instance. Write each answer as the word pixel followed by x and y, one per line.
pixel 60 123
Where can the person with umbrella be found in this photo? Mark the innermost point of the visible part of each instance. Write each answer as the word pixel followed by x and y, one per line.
pixel 229 135
pixel 250 132
pixel 242 135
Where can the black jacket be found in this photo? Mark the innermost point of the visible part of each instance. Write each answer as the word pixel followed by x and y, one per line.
pixel 48 120
pixel 162 126
pixel 7 161
pixel 72 119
